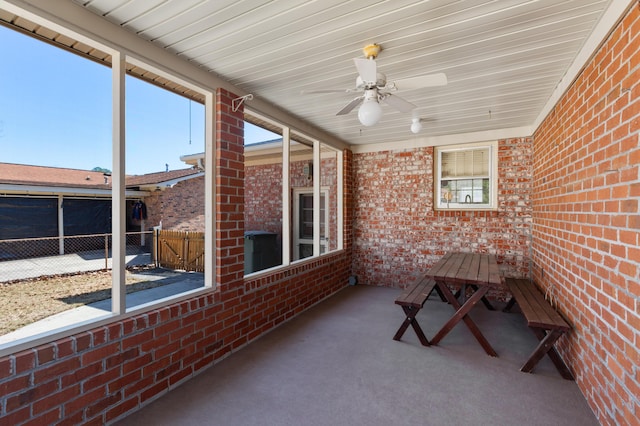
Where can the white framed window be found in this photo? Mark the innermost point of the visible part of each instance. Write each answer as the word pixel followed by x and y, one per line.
pixel 293 197
pixel 120 239
pixel 466 177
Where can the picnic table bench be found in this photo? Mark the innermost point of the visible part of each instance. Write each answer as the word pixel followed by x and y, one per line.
pixel 545 322
pixel 412 300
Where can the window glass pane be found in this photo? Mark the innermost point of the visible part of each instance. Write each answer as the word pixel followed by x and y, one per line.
pixel 306 216
pixel 262 199
pixel 329 184
pixel 55 132
pixel 301 174
pixel 165 192
pixel 465 163
pixel 465 191
pixel 448 164
pixel 323 215
pixel 480 162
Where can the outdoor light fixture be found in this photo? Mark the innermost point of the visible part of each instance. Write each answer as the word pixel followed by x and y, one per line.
pixel 370 112
pixel 416 126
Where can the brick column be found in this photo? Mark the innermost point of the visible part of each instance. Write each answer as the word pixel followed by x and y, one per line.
pixel 348 199
pixel 230 194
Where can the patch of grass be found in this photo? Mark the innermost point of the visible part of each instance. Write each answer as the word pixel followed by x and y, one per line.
pixel 28 301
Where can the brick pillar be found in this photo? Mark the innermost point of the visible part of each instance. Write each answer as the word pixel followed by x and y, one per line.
pixel 348 199
pixel 230 194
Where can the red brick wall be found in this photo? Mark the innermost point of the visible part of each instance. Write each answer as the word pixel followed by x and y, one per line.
pixel 586 229
pixel 98 376
pixel 180 208
pixel 263 198
pixel 398 234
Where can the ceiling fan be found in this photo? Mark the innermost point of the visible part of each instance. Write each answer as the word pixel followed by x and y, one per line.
pixel 375 88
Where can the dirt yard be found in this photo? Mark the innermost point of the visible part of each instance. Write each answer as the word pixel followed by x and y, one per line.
pixel 25 302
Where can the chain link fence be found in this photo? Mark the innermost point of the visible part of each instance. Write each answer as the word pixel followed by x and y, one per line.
pixel 37 257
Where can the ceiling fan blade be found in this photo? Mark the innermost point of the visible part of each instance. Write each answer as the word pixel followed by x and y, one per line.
pixel 367 69
pixel 350 106
pixel 308 92
pixel 429 80
pixel 399 103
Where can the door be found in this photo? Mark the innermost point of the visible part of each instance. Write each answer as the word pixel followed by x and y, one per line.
pixel 303 222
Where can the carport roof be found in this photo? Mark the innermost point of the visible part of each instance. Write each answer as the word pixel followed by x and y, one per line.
pixel 30 175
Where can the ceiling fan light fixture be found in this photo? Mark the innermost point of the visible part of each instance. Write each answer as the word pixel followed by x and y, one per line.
pixel 416 126
pixel 376 89
pixel 370 112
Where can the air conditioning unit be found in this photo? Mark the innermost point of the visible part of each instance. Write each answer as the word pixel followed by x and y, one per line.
pixel 261 251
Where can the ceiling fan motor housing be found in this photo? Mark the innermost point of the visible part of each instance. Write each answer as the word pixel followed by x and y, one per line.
pixel 381 82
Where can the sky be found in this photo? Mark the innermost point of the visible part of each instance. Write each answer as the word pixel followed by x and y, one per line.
pixel 55 110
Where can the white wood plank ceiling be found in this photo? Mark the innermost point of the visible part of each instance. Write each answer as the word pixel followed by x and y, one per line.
pixel 503 58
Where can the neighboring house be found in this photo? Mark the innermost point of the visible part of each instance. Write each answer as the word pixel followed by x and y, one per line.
pixel 263 195
pixel 174 199
pixel 38 201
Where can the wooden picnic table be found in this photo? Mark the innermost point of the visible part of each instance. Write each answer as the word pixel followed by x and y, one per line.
pixel 475 271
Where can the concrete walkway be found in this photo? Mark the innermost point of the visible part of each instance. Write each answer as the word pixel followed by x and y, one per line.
pixel 94 260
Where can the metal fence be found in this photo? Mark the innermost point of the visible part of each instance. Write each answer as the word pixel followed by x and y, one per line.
pixel 36 257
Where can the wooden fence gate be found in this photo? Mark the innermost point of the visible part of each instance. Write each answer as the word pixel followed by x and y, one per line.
pixel 179 250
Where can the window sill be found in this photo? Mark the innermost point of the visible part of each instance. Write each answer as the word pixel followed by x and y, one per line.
pixel 467 209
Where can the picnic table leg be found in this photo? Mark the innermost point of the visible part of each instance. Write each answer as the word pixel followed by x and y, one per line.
pixel 410 319
pixel 461 314
pixel 444 299
pixel 461 295
pixel 485 301
pixel 487 304
pixel 547 340
pixel 461 292
pixel 510 304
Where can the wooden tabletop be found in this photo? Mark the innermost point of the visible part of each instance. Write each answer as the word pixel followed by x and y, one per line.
pixel 467 268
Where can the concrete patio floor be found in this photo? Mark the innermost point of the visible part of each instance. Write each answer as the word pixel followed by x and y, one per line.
pixel 336 364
